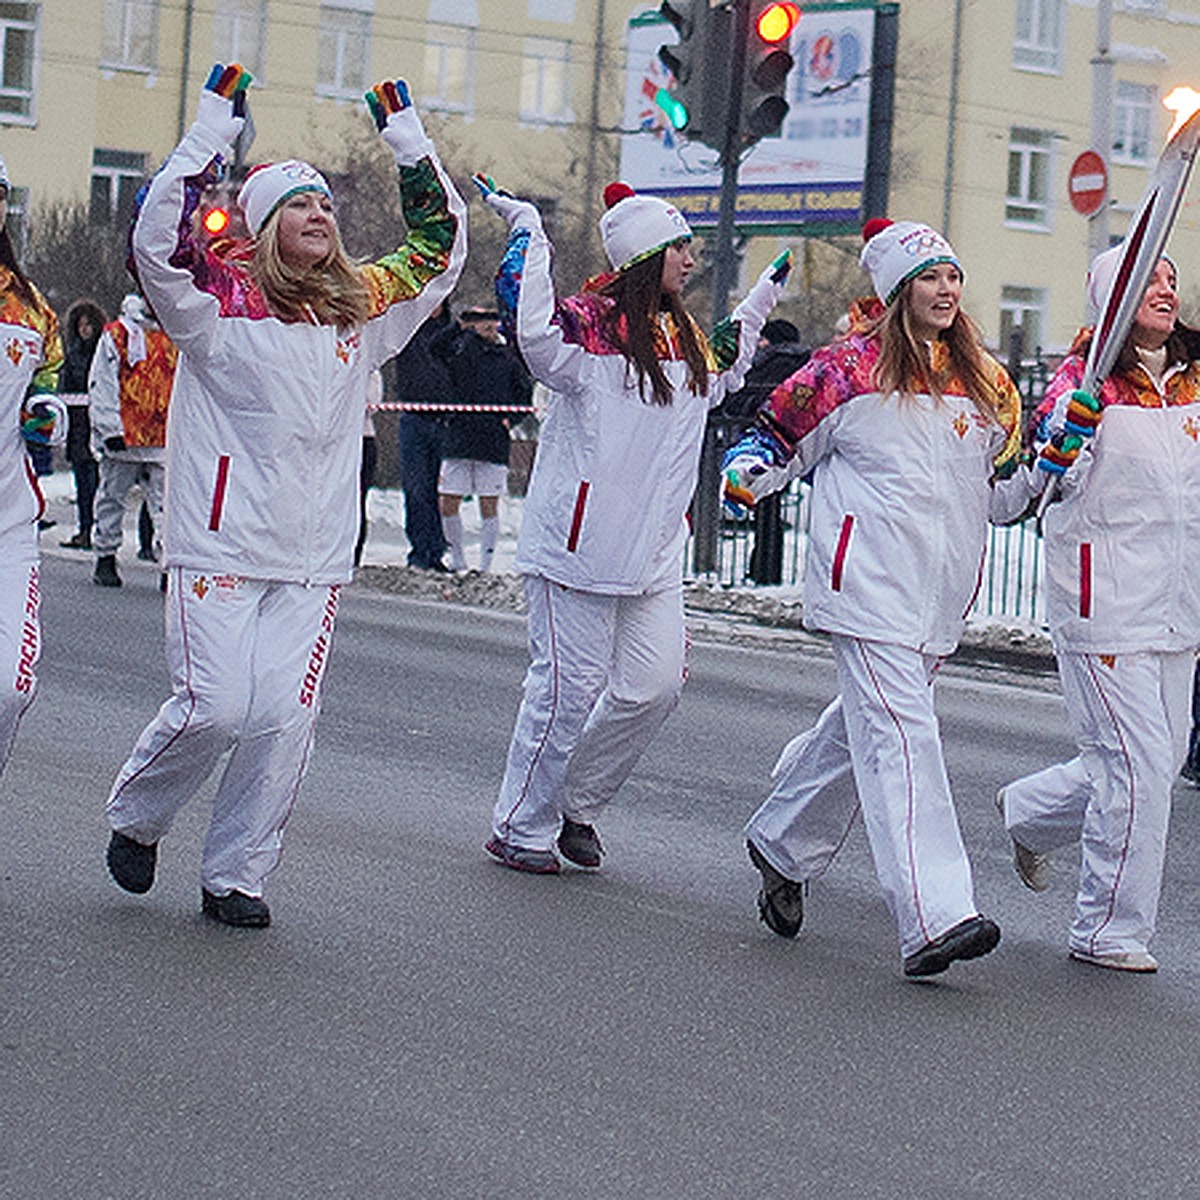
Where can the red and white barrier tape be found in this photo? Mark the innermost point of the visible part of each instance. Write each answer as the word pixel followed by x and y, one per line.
pixel 437 409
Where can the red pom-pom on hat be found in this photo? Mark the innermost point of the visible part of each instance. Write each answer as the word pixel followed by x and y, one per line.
pixel 616 192
pixel 875 225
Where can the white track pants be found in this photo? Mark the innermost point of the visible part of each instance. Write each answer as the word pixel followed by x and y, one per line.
pixel 118 477
pixel 20 647
pixel 605 673
pixel 247 658
pixel 883 728
pixel 1130 715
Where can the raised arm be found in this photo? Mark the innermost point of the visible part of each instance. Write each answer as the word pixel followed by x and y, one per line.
pixel 164 249
pixel 408 285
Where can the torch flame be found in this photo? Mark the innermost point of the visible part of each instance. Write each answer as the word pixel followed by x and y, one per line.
pixel 1183 102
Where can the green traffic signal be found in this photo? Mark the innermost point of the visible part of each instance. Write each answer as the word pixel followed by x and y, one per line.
pixel 675 110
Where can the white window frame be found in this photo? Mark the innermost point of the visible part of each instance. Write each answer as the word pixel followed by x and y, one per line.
pixel 123 165
pixel 23 113
pixel 1156 8
pixel 1039 35
pixel 240 34
pixel 443 41
pixel 349 24
pixel 1028 206
pixel 121 34
pixel 543 59
pixel 1135 106
pixel 1017 304
pixel 562 12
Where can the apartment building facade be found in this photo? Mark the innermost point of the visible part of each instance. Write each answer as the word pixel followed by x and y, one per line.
pixel 993 102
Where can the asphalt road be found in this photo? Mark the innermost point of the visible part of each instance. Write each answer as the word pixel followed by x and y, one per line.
pixel 419 1022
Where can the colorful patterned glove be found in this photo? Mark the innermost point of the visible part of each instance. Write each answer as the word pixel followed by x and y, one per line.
pixel 1059 454
pixel 750 471
pixel 43 423
pixel 391 106
pixel 520 214
pixel 222 108
pixel 1083 414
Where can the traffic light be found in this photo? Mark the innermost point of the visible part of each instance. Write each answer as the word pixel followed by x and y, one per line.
pixel 768 62
pixel 216 221
pixel 696 104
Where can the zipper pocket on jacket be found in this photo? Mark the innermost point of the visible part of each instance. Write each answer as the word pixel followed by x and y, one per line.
pixel 1085 579
pixel 839 556
pixel 218 500
pixel 577 515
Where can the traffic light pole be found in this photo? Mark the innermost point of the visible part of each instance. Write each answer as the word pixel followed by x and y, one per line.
pixel 706 507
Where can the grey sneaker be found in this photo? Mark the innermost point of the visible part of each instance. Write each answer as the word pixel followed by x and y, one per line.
pixel 1141 962
pixel 580 843
pixel 1033 868
pixel 972 938
pixel 235 908
pixel 781 900
pixel 522 858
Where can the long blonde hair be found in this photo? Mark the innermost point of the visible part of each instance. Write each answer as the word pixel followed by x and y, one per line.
pixel 332 291
pixel 903 365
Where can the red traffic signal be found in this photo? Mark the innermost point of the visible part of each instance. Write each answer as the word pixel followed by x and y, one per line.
pixel 216 221
pixel 776 22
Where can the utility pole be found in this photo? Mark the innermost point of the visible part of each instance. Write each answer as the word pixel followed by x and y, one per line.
pixel 726 260
pixel 1102 101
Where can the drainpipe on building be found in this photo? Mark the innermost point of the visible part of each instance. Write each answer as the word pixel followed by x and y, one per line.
pixel 952 118
pixel 184 71
pixel 1102 99
pixel 589 175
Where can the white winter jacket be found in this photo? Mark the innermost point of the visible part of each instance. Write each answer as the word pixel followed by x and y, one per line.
pixel 614 474
pixel 901 495
pixel 28 369
pixel 264 434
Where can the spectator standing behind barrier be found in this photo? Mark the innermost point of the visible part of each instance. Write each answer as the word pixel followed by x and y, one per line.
pixel 277 335
pixel 779 355
pixel 129 390
pixel 484 371
pixel 423 386
pixel 604 525
pixel 904 424
pixel 28 383
pixel 85 322
pixel 1123 606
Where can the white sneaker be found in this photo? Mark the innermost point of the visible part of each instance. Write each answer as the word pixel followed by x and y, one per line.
pixel 1033 869
pixel 1140 961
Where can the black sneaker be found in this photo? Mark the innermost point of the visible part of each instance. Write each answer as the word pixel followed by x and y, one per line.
pixel 972 938
pixel 106 571
pixel 781 900
pixel 236 908
pixel 131 864
pixel 580 843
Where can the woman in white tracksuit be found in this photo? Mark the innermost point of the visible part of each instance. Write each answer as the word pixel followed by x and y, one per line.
pixel 604 525
pixel 1123 605
pixel 904 423
pixel 28 381
pixel 276 338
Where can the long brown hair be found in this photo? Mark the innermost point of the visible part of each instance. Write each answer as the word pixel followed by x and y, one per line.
pixel 903 365
pixel 632 324
pixel 20 281
pixel 331 291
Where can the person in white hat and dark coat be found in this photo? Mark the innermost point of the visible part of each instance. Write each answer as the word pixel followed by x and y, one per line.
pixel 277 337
pixel 604 524
pixel 36 418
pixel 907 425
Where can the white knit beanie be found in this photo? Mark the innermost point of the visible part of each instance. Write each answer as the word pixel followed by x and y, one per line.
pixel 895 251
pixel 269 185
pixel 635 227
pixel 1100 278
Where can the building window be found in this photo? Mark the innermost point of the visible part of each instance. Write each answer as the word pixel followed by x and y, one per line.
pixel 343 51
pixel 116 177
pixel 1039 37
pixel 1022 308
pixel 560 11
pixel 1133 118
pixel 1027 201
pixel 18 33
pixel 240 34
pixel 131 34
pixel 545 80
pixel 1155 7
pixel 449 67
pixel 15 222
